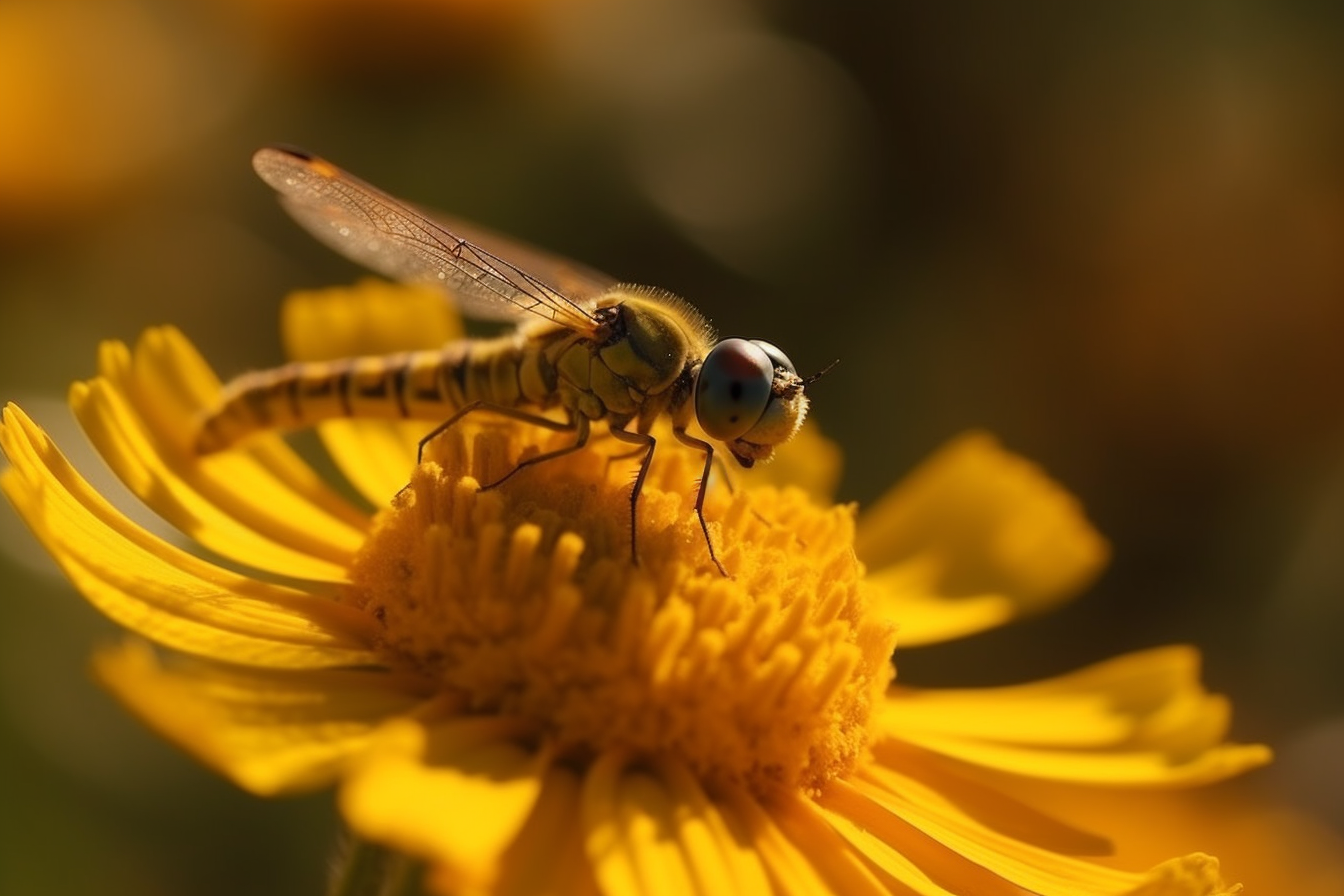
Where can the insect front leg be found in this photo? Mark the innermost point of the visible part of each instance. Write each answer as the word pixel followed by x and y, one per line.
pixel 649 443
pixel 702 445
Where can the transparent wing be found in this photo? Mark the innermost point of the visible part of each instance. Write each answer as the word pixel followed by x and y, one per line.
pixel 386 235
pixel 577 282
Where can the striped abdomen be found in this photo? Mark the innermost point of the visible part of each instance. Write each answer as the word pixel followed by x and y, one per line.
pixel 420 385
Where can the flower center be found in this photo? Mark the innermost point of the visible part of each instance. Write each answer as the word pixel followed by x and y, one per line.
pixel 522 600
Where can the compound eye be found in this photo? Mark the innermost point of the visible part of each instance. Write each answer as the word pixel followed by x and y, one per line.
pixel 777 357
pixel 733 388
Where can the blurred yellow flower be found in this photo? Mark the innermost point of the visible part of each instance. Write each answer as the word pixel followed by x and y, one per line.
pixel 498 691
pixel 92 94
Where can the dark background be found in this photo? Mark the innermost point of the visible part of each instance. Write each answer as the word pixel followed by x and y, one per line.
pixel 1113 235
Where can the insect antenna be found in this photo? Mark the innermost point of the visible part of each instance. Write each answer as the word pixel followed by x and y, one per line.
pixel 820 373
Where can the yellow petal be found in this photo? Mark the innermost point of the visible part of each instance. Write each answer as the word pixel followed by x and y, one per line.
pixel 258 504
pixel 721 862
pixel 1193 875
pixel 907 593
pixel 377 456
pixel 887 804
pixel 1143 718
pixel 984 522
pixel 910 861
pixel 269 731
pixel 843 866
pixel 371 318
pixel 630 835
pixel 1150 699
pixel 160 591
pixel 1119 768
pixel 983 796
pixel 957 850
pixel 655 831
pixel 790 872
pixel 1073 720
pixel 1263 845
pixel 547 858
pixel 456 793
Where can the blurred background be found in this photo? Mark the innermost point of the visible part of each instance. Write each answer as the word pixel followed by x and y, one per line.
pixel 1113 236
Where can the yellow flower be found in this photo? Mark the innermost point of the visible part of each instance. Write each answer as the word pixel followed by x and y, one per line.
pixel 498 691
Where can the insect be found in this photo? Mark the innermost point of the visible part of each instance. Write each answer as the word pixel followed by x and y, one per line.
pixel 598 351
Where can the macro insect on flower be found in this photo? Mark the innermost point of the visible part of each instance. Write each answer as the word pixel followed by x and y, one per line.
pixel 596 351
pixel 499 693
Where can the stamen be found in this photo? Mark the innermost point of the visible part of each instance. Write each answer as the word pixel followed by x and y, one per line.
pixel 523 600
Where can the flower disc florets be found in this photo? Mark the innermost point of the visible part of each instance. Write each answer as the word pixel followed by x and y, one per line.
pixel 522 600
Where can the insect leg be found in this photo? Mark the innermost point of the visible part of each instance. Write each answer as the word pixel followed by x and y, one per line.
pixel 477 406
pixel 579 424
pixel 648 442
pixel 704 446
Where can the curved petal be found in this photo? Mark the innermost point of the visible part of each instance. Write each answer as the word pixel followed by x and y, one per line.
pixel 844 868
pixel 984 797
pixel 257 504
pixel 966 856
pixel 160 591
pixel 977 521
pixel 1143 718
pixel 547 858
pixel 908 593
pixel 454 792
pixel 269 731
pixel 630 835
pixel 1265 846
pixel 655 831
pixel 723 863
pixel 910 861
pixel 373 317
pixel 1131 768
pixel 790 871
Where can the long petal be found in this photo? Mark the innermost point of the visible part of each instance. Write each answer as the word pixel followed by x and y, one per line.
pixel 1138 768
pixel 1143 718
pixel 909 593
pixel 160 591
pixel 976 520
pixel 456 793
pixel 982 796
pixel 966 856
pixel 654 830
pixel 845 868
pixel 721 861
pixel 786 863
pixel 630 835
pixel 913 861
pixel 371 318
pixel 270 731
pixel 898 800
pixel 257 504
pixel 547 858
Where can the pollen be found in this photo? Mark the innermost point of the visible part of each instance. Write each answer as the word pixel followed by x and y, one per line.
pixel 522 600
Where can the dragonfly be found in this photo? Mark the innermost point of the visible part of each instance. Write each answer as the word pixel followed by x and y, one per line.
pixel 585 348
